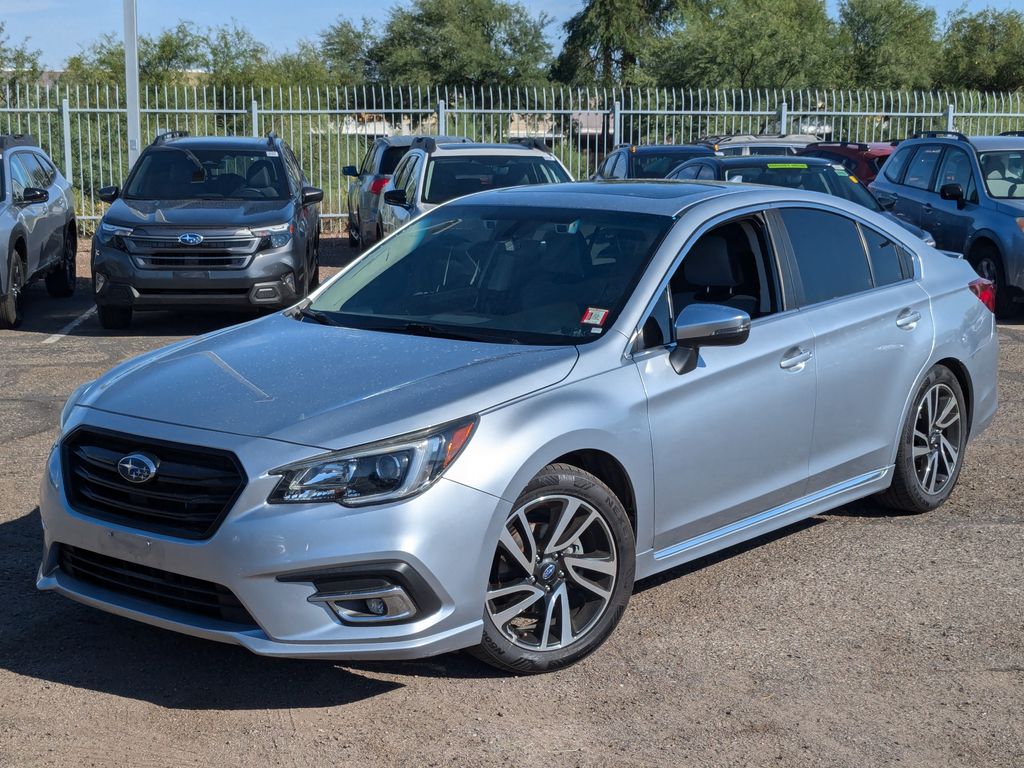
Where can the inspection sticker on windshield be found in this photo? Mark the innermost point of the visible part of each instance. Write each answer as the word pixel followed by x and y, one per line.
pixel 787 165
pixel 594 316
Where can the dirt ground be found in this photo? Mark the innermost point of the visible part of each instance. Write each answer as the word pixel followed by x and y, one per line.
pixel 857 638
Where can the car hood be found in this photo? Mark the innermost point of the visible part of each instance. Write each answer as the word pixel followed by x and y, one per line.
pixel 323 386
pixel 232 214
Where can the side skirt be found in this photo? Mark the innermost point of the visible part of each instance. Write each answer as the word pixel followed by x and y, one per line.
pixel 655 561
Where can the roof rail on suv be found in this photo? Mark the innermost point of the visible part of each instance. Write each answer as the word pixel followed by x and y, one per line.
pixel 1012 133
pixel 532 142
pixel 166 136
pixel 855 144
pixel 272 137
pixel 939 135
pixel 429 143
pixel 17 140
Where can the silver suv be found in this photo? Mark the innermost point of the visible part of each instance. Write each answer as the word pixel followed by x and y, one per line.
pixel 38 235
pixel 481 432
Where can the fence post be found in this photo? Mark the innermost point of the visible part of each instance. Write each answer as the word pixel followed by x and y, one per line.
pixel 783 118
pixel 65 117
pixel 617 123
pixel 442 118
pixel 950 113
pixel 255 119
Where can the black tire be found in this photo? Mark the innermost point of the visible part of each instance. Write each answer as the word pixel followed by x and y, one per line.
pixel 353 240
pixel 60 283
pixel 909 492
pixel 10 305
pixel 607 544
pixel 314 265
pixel 114 318
pixel 988 264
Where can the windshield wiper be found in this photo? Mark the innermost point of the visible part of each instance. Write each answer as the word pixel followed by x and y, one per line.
pixel 316 316
pixel 434 331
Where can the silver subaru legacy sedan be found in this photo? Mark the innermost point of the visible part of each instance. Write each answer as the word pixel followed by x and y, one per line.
pixel 483 431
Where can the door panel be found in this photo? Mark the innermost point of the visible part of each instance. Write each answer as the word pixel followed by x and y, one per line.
pixel 33 216
pixel 948 223
pixel 732 437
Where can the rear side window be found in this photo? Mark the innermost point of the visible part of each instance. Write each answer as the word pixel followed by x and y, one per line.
pixel 922 167
pixel 886 260
pixel 828 254
pixel 892 167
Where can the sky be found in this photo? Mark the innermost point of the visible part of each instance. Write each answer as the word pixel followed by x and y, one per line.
pixel 60 28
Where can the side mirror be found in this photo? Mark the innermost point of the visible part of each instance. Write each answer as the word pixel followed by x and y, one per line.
pixel 396 197
pixel 349 170
pixel 34 195
pixel 706 325
pixel 312 195
pixel 952 191
pixel 108 194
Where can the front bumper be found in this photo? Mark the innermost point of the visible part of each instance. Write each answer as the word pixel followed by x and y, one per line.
pixel 269 279
pixel 259 549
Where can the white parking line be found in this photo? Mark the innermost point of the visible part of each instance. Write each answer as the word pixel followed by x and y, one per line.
pixel 70 326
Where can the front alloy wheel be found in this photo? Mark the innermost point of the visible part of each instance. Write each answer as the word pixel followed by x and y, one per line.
pixel 561 576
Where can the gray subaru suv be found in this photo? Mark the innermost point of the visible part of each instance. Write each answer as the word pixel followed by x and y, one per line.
pixel 201 222
pixel 37 226
pixel 969 193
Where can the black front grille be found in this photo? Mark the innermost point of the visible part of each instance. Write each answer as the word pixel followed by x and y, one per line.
pixel 192 491
pixel 172 590
pixel 163 244
pixel 214 261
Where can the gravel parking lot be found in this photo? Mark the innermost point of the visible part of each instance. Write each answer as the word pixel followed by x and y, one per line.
pixel 857 638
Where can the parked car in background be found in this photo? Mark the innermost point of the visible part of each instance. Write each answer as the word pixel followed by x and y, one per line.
pixel 207 222
pixel 38 234
pixel 758 144
pixel 810 173
pixel 433 173
pixel 646 161
pixel 380 161
pixel 862 160
pixel 969 193
pixel 482 432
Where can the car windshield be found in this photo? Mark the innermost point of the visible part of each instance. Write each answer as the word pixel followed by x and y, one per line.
pixel 506 274
pixel 829 179
pixel 451 177
pixel 189 173
pixel 656 165
pixel 1003 173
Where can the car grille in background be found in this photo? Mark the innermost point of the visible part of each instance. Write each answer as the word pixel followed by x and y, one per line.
pixel 191 492
pixel 215 261
pixel 212 253
pixel 172 590
pixel 172 244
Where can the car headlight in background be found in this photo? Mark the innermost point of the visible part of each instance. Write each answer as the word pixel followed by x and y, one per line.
pixel 72 401
pixel 369 474
pixel 274 237
pixel 113 235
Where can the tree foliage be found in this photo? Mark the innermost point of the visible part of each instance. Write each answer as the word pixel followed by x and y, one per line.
pixel 17 62
pixel 983 50
pixel 887 43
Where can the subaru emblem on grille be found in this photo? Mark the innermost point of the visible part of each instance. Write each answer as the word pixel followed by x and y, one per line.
pixel 190 238
pixel 137 468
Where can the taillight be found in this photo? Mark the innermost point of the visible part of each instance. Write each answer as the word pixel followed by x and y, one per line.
pixel 985 290
pixel 377 185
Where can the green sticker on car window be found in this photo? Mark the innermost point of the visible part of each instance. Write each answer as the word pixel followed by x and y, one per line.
pixel 787 165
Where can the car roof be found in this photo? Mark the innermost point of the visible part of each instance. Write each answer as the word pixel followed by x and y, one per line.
pixel 981 143
pixel 219 142
pixel 642 149
pixel 763 138
pixel 748 160
pixel 407 140
pixel 858 148
pixel 513 150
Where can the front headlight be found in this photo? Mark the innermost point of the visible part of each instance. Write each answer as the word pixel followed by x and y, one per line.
pixel 274 237
pixel 370 474
pixel 72 401
pixel 113 235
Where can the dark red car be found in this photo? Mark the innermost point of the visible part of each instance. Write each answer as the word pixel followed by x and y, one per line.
pixel 862 160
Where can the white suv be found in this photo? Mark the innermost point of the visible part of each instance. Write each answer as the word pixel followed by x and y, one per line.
pixel 432 173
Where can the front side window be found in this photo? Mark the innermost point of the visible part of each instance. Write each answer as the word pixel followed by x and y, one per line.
pixel 180 173
pixel 618 169
pixel 827 252
pixel 956 169
pixel 707 173
pixel 451 177
pixel 410 183
pixel 892 167
pixel 48 168
pixel 689 172
pixel 1004 173
pixel 499 273
pixel 922 167
pixel 21 177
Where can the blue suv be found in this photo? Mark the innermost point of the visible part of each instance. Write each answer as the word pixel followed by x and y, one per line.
pixel 969 193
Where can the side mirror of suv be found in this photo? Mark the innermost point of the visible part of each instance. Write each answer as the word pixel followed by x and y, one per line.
pixel 706 325
pixel 108 194
pixel 349 170
pixel 34 195
pixel 952 191
pixel 396 197
pixel 312 195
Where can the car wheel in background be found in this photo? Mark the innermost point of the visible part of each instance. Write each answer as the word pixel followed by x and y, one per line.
pixel 114 318
pixel 931 449
pixel 987 263
pixel 353 240
pixel 10 307
pixel 314 265
pixel 562 573
pixel 60 283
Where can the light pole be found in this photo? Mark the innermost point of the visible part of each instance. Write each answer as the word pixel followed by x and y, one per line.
pixel 131 77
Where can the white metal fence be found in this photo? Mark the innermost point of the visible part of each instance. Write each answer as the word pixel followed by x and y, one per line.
pixel 85 128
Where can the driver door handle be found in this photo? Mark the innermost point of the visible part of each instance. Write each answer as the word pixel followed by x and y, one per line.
pixel 795 358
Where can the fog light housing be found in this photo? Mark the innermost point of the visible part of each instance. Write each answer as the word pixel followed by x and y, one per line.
pixel 289 281
pixel 373 605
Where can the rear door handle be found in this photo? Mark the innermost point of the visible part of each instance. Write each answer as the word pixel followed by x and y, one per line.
pixel 908 319
pixel 795 358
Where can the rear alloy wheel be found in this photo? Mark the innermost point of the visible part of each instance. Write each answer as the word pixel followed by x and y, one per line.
pixel 987 264
pixel 10 307
pixel 60 283
pixel 561 576
pixel 931 447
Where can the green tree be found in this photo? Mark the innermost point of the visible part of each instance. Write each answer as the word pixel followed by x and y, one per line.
pixel 887 43
pixel 345 49
pixel 983 50
pixel 748 44
pixel 462 42
pixel 18 63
